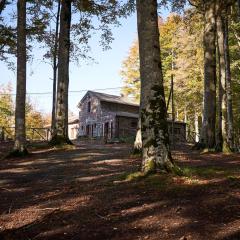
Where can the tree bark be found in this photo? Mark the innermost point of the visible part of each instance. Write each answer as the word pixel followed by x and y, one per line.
pixel 196 126
pixel 20 130
pixel 230 131
pixel 60 134
pixel 209 108
pixel 2 5
pixel 55 68
pixel 221 133
pixel 239 9
pixel 156 151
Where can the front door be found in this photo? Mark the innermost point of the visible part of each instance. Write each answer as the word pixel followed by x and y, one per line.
pixel 106 130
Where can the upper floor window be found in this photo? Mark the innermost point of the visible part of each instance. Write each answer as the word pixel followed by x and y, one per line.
pixel 89 106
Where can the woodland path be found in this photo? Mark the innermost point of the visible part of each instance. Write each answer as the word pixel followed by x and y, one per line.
pixel 81 194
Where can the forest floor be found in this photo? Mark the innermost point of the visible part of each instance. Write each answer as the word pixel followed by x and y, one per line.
pixel 83 194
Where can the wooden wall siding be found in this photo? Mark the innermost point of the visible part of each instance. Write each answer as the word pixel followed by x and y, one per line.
pixel 125 127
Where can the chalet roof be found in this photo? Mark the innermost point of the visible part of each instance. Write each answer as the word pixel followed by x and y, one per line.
pixel 110 98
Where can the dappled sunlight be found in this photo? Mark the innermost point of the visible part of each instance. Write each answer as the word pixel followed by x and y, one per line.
pixel 73 193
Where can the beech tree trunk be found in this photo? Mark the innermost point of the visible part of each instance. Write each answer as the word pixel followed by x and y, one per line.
pixel 153 112
pixel 196 126
pixel 239 9
pixel 209 107
pixel 60 134
pixel 55 67
pixel 221 109
pixel 20 130
pixel 230 131
pixel 2 5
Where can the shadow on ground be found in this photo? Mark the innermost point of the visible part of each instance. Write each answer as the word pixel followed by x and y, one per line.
pixel 79 194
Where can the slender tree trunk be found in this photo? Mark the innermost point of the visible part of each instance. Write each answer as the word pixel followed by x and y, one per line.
pixel 55 68
pixel 239 9
pixel 2 5
pixel 20 130
pixel 221 134
pixel 186 121
pixel 155 139
pixel 196 127
pixel 230 132
pixel 209 109
pixel 60 134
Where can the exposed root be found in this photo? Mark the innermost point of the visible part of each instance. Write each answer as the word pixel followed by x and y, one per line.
pixel 60 141
pixel 16 153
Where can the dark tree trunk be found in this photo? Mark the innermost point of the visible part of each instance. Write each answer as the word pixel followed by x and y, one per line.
pixel 2 5
pixel 154 128
pixel 60 134
pixel 55 68
pixel 20 131
pixel 239 9
pixel 221 133
pixel 230 132
pixel 209 105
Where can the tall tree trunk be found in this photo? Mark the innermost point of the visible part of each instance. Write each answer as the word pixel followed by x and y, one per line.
pixel 20 131
pixel 239 9
pixel 153 112
pixel 56 39
pixel 196 126
pixel 60 134
pixel 221 133
pixel 186 121
pixel 230 132
pixel 2 5
pixel 209 108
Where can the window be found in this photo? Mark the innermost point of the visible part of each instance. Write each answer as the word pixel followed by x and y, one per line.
pixel 134 124
pixel 177 131
pixel 89 106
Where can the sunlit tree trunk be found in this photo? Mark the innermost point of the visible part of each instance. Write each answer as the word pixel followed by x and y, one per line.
pixel 230 131
pixel 209 108
pixel 221 133
pixel 155 140
pixel 196 126
pixel 20 131
pixel 55 53
pixel 60 134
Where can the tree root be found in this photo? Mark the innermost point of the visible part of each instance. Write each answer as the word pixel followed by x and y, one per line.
pixel 60 141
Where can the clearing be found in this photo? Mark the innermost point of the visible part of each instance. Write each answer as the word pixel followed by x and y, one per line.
pixel 82 193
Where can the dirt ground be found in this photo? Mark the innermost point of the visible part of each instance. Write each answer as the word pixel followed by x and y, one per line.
pixel 83 193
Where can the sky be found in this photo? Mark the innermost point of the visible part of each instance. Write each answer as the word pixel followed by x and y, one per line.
pixel 85 76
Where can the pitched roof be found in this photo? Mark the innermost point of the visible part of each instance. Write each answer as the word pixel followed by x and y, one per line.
pixel 110 98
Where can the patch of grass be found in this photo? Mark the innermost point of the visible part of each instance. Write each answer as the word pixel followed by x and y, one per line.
pixel 158 181
pixel 65 147
pixel 208 150
pixel 233 178
pixel 135 176
pixel 207 171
